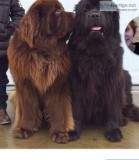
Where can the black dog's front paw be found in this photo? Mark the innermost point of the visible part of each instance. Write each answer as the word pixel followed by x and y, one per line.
pixel 114 135
pixel 73 135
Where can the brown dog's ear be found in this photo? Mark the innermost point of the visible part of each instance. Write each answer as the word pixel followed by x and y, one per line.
pixel 30 24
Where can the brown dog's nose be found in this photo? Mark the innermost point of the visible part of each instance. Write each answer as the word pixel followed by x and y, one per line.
pixel 95 15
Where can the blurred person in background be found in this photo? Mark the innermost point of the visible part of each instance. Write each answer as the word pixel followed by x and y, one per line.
pixel 11 13
pixel 129 35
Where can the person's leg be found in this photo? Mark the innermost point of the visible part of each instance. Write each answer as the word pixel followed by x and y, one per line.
pixel 4 118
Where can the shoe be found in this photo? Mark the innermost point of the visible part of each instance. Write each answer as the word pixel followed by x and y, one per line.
pixel 4 118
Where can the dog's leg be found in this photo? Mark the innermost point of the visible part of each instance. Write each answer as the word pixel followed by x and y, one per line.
pixel 123 121
pixel 76 108
pixel 28 116
pixel 113 116
pixel 59 112
pixel 18 114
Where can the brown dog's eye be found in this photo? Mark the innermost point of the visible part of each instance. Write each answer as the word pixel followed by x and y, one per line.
pixel 58 12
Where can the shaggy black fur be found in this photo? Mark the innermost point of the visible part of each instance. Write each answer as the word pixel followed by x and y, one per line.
pixel 129 110
pixel 97 77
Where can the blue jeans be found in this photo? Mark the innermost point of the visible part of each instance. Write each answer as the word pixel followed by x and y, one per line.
pixel 3 81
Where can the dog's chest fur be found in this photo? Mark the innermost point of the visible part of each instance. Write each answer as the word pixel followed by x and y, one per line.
pixel 43 72
pixel 48 71
pixel 94 73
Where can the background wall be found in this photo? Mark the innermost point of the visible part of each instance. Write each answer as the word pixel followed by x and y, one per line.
pixel 130 60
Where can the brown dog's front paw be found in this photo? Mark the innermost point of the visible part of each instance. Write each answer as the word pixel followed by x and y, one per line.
pixel 22 133
pixel 60 137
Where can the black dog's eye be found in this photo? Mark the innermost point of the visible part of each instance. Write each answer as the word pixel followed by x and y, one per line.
pixel 58 12
pixel 87 7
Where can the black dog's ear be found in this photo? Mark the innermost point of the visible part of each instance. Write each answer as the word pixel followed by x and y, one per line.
pixel 75 8
pixel 116 27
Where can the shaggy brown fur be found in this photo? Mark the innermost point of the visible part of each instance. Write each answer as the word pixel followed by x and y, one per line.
pixel 40 64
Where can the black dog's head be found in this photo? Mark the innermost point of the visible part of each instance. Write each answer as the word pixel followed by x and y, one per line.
pixel 92 22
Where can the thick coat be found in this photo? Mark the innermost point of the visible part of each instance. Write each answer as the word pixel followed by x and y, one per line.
pixel 101 89
pixel 11 13
pixel 39 61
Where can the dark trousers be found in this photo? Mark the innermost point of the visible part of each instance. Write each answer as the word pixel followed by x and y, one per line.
pixel 3 81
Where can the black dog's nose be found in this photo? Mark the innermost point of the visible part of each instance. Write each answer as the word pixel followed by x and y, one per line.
pixel 95 15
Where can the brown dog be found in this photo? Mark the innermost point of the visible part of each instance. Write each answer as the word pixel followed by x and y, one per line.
pixel 40 65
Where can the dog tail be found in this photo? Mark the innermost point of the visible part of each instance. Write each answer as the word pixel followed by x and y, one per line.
pixel 131 112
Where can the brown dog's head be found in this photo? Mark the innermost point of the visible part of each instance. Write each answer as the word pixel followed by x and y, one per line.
pixel 46 22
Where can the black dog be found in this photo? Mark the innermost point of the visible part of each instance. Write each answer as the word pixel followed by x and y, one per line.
pixel 97 76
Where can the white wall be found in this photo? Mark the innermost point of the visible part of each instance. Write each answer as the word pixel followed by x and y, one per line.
pixel 131 61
